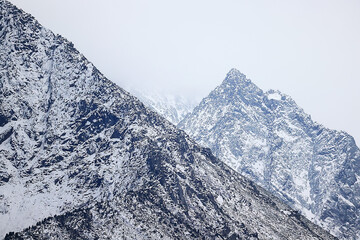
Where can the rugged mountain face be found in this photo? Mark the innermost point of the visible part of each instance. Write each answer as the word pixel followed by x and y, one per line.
pixel 268 138
pixel 82 159
pixel 173 108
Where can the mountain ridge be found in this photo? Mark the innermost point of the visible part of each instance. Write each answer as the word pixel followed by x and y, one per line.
pixel 82 158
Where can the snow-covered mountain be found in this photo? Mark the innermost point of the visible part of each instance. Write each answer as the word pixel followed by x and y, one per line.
pixel 173 108
pixel 268 138
pixel 83 159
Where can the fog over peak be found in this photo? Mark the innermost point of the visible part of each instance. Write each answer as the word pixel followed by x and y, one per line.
pixel 308 50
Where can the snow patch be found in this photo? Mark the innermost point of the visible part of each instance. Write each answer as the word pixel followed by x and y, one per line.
pixel 286 136
pixel 220 200
pixel 274 96
pixel 259 167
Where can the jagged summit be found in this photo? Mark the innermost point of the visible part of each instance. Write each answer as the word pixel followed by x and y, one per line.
pixel 234 72
pixel 237 83
pixel 234 77
pixel 271 140
pixel 80 158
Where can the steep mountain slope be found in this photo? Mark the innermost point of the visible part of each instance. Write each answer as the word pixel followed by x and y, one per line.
pixel 82 159
pixel 173 108
pixel 268 138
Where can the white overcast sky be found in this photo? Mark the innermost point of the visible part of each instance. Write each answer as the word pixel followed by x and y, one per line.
pixel 308 49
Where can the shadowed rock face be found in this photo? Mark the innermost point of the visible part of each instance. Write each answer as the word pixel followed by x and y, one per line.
pixel 269 139
pixel 82 159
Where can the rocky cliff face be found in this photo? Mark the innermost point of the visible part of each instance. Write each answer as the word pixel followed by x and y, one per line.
pixel 268 138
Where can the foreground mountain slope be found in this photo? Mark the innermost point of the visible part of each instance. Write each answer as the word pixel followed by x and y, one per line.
pixel 268 138
pixel 82 159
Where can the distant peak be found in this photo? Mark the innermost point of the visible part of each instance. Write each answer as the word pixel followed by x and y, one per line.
pixel 235 78
pixel 236 83
pixel 235 73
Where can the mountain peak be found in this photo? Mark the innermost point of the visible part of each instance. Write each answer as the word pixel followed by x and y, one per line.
pixel 236 85
pixel 235 79
pixel 235 75
pixel 268 138
pixel 234 71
